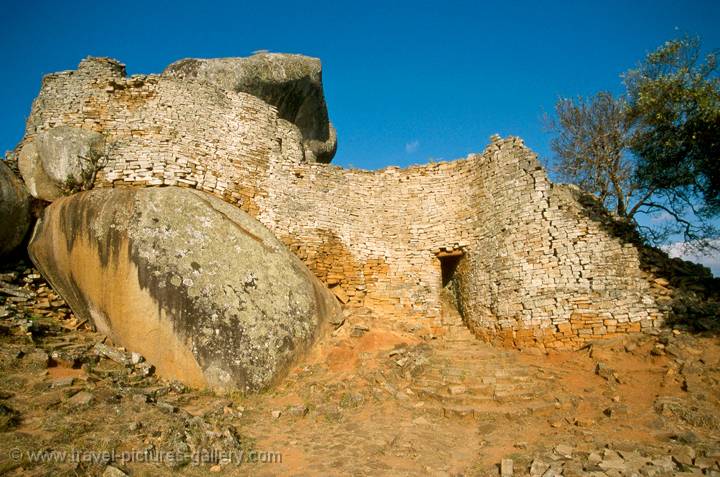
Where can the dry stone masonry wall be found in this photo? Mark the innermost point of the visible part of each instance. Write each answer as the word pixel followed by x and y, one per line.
pixel 531 265
pixel 164 132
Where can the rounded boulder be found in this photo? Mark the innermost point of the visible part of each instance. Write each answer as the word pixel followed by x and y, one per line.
pixel 61 161
pixel 200 288
pixel 14 210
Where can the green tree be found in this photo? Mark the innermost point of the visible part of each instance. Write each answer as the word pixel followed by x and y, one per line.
pixel 654 151
pixel 674 104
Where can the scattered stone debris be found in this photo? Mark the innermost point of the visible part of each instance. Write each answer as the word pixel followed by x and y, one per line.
pixel 358 330
pixel 117 355
pixel 75 384
pixel 506 468
pixel 111 471
pixel 609 462
pixel 604 371
pixel 9 418
pixel 83 398
pixel 298 411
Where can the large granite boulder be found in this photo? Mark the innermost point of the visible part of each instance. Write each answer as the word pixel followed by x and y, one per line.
pixel 204 291
pixel 14 210
pixel 291 83
pixel 61 160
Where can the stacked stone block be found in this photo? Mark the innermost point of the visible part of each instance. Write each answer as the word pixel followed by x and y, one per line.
pixel 537 267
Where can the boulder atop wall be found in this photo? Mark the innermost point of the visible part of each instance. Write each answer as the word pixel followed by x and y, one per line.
pixel 205 292
pixel 291 83
pixel 14 210
pixel 61 160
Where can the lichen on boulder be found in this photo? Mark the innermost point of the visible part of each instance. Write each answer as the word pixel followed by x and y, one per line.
pixel 61 161
pixel 201 289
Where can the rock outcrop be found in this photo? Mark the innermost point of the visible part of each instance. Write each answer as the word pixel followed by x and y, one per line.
pixel 206 293
pixel 530 262
pixel 204 129
pixel 61 160
pixel 291 83
pixel 14 210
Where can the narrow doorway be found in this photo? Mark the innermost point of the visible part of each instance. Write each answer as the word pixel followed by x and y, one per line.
pixel 448 265
pixel 449 261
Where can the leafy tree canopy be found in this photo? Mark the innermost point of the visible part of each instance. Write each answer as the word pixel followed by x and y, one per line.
pixel 674 103
pixel 656 149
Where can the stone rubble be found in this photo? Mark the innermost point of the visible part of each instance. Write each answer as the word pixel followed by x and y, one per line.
pixel 43 336
pixel 608 462
pixel 47 341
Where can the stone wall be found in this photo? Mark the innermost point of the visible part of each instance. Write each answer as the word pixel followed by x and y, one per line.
pixel 544 268
pixel 166 132
pixel 535 266
pixel 373 236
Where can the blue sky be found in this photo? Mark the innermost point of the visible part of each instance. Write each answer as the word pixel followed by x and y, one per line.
pixel 405 82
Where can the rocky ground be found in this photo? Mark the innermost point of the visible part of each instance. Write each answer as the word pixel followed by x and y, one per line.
pixel 374 398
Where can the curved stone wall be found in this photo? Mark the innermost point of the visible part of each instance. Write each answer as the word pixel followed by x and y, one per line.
pixel 537 267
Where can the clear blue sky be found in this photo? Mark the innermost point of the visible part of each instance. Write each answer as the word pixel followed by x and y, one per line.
pixel 405 82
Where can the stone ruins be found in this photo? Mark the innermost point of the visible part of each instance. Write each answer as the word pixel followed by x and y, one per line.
pixel 525 261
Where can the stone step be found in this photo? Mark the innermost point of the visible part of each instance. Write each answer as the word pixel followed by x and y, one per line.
pixel 479 373
pixel 475 362
pixel 483 387
pixel 439 381
pixel 445 348
pixel 455 351
pixel 468 378
pixel 459 329
pixel 458 338
pixel 447 389
pixel 469 396
pixel 468 350
pixel 470 412
pixel 449 411
pixel 429 382
pixel 452 324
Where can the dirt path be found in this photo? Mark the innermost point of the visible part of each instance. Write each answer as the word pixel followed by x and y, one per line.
pixel 372 399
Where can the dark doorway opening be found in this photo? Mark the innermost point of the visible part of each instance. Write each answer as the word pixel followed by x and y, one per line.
pixel 450 294
pixel 448 265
